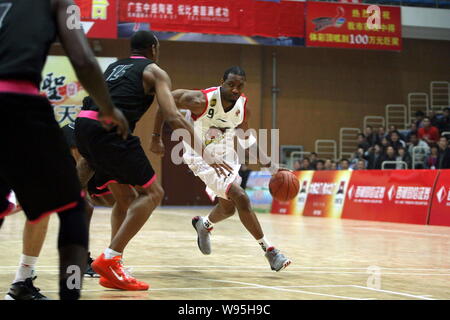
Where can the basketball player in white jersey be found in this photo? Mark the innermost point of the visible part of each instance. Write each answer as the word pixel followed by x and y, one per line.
pixel 216 113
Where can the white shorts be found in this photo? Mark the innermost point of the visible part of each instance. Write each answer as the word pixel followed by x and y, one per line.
pixel 215 186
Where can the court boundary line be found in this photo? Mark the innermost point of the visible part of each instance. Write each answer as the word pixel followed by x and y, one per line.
pixel 395 293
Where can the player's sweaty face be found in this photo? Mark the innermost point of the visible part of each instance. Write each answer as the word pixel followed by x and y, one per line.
pixel 232 87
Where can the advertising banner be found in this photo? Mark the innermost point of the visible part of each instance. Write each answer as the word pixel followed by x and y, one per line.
pixel 341 25
pixel 62 88
pixel 390 195
pixel 227 17
pixel 440 207
pixel 99 18
pixel 326 193
pixel 297 205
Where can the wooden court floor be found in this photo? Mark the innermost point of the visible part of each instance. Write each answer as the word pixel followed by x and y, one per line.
pixel 332 259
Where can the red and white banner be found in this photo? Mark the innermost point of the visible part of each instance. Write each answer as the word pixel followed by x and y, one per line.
pixel 326 194
pixel 440 209
pixel 237 17
pixel 341 25
pixel 99 18
pixel 390 195
pixel 297 205
pixel 403 196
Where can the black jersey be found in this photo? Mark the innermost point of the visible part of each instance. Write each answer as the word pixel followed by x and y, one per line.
pixel 124 80
pixel 27 29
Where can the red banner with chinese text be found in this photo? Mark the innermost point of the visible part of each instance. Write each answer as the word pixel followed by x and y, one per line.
pixel 390 195
pixel 326 193
pixel 295 206
pixel 237 17
pixel 341 25
pixel 99 18
pixel 440 208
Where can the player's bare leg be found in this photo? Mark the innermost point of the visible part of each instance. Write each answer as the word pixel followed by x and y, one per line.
pixel 33 240
pixel 131 214
pixel 125 197
pixel 246 213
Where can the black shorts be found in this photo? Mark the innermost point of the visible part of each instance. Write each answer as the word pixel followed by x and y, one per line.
pixel 36 162
pixel 112 158
pixel 96 185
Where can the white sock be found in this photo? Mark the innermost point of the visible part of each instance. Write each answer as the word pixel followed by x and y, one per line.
pixel 110 253
pixel 207 224
pixel 264 243
pixel 26 268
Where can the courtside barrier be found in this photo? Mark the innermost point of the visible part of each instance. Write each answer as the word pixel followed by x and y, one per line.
pixel 402 196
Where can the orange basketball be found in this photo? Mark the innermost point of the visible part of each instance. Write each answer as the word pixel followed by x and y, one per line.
pixel 284 186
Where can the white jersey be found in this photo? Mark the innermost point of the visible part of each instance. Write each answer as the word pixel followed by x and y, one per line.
pixel 216 129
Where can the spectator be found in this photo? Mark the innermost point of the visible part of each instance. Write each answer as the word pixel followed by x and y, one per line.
pixel 313 159
pixel 344 164
pixel 404 156
pixel 384 144
pixel 362 142
pixel 443 124
pixel 297 165
pixel 392 128
pixel 434 118
pixel 396 141
pixel 361 165
pixel 428 133
pixel 328 164
pixel 419 154
pixel 375 157
pixel 419 117
pixel 320 165
pixel 371 137
pixel 412 130
pixel 333 165
pixel 306 164
pixel 390 155
pixel 431 161
pixel 444 153
pixel 359 154
pixel 381 133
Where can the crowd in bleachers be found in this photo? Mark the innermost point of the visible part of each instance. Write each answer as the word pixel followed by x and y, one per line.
pixel 376 145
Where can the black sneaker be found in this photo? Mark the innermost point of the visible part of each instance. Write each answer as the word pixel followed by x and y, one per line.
pixel 89 271
pixel 25 290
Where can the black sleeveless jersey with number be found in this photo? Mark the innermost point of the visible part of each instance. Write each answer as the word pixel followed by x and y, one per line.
pixel 124 80
pixel 27 29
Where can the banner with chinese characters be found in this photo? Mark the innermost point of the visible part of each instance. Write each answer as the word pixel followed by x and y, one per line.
pixel 390 195
pixel 226 17
pixel 440 207
pixel 297 205
pixel 99 18
pixel 326 193
pixel 62 88
pixel 341 25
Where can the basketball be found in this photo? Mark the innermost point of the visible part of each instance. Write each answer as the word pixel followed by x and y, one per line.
pixel 284 186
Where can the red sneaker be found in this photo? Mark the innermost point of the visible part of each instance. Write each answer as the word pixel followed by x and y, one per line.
pixel 115 275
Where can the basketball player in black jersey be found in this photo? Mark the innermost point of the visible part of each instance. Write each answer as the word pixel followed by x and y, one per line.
pixel 39 167
pixel 133 84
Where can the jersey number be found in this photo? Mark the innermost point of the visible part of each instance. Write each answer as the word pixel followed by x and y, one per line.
pixel 118 72
pixel 4 8
pixel 210 113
